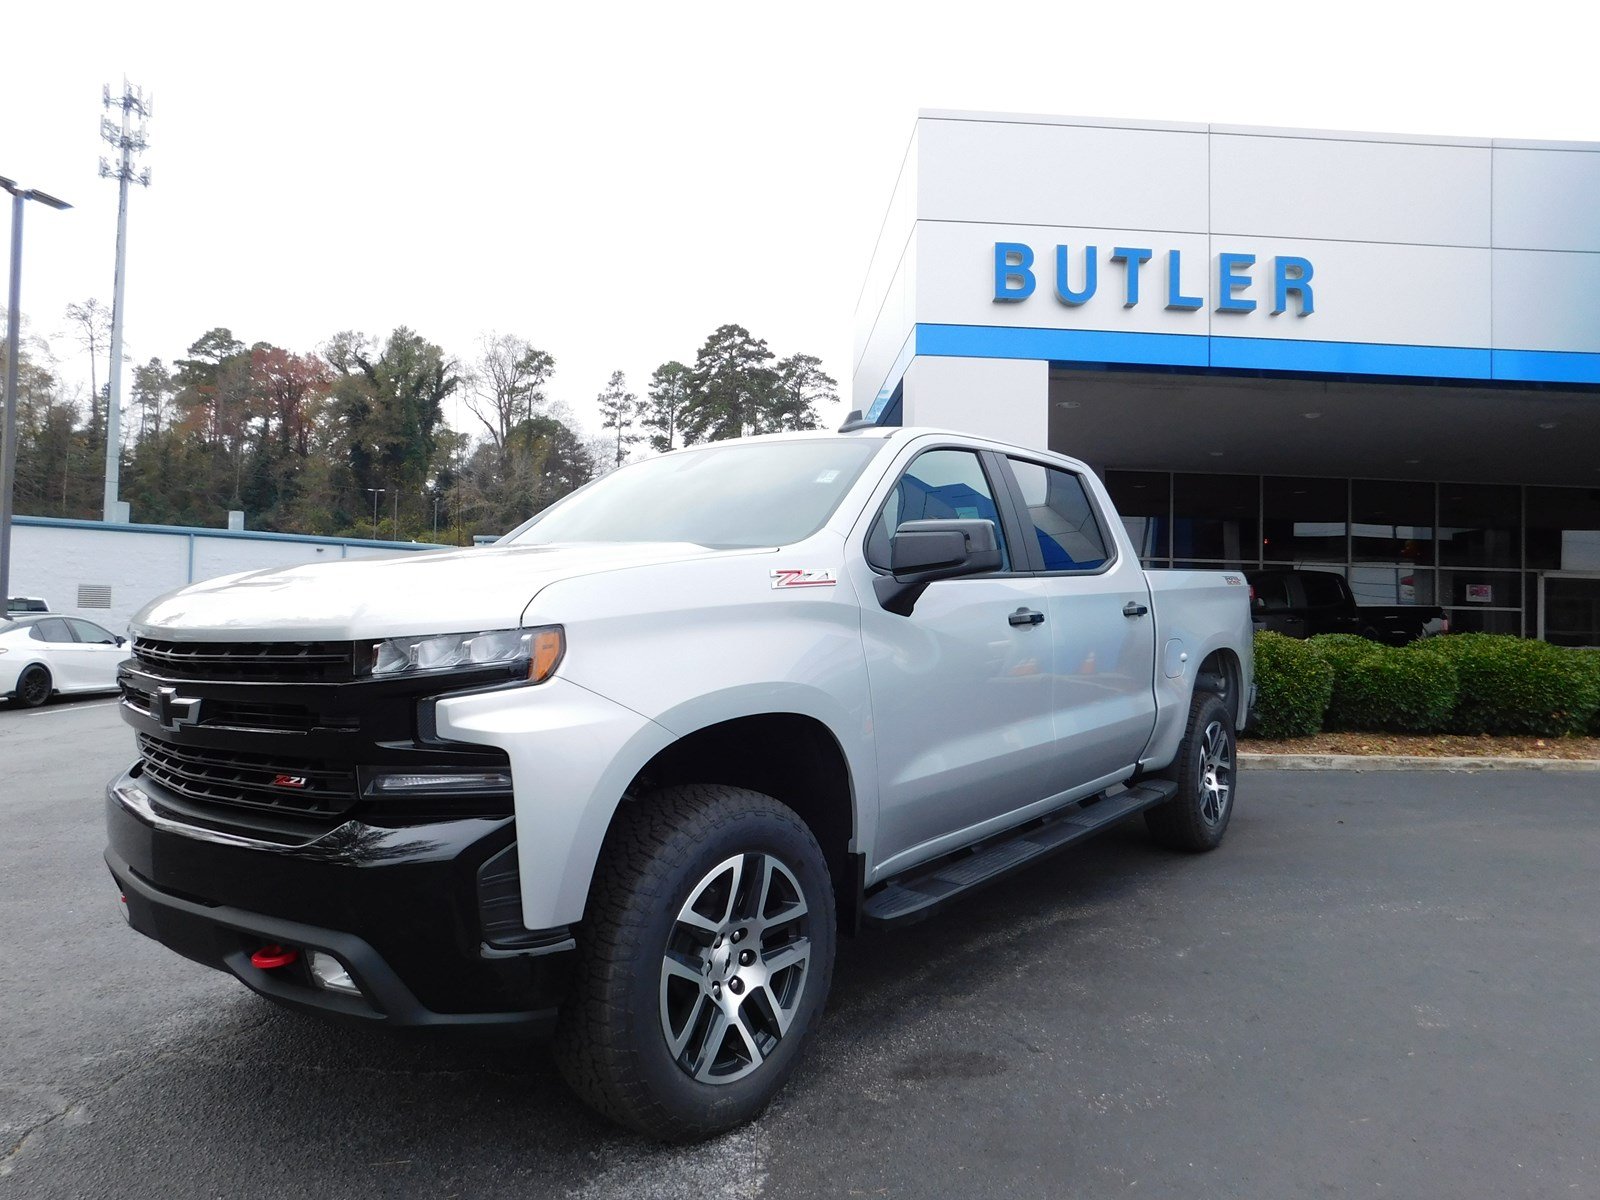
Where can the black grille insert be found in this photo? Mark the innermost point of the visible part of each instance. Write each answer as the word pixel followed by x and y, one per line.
pixel 313 661
pixel 259 781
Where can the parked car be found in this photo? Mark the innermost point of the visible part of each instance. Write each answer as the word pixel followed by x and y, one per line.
pixel 625 776
pixel 25 604
pixel 1303 603
pixel 43 656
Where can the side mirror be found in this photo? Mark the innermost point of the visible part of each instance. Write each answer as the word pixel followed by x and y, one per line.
pixel 946 549
pixel 122 641
pixel 922 552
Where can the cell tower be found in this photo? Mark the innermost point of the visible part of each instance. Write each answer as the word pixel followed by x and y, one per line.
pixel 129 138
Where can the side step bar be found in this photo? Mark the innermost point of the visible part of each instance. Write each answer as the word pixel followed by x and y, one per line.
pixel 920 892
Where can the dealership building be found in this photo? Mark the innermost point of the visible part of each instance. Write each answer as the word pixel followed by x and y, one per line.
pixel 1372 354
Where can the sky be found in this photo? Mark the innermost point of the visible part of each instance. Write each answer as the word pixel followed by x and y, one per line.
pixel 613 181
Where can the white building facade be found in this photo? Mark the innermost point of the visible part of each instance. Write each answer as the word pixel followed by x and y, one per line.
pixel 1372 354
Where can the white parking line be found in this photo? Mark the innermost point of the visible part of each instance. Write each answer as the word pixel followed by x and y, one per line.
pixel 56 712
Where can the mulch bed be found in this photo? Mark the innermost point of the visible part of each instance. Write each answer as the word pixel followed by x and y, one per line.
pixel 1428 745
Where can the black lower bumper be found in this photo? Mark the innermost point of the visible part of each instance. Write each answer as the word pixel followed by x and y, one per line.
pixel 398 907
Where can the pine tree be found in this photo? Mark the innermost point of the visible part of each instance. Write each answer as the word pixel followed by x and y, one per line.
pixel 668 403
pixel 730 387
pixel 621 410
pixel 801 385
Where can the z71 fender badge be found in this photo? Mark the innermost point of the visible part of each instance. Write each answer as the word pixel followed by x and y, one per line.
pixel 796 577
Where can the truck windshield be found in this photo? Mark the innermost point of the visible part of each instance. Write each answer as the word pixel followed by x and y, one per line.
pixel 737 494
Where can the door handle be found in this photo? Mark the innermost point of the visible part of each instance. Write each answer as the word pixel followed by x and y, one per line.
pixel 1026 616
pixel 1134 609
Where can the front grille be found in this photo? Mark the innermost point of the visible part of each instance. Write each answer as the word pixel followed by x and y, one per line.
pixel 259 781
pixel 247 661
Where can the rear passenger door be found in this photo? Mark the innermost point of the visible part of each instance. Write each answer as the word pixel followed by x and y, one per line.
pixel 60 653
pixel 1102 628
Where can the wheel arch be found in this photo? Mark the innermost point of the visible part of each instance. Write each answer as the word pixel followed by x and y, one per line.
pixel 55 681
pixel 793 757
pixel 1222 673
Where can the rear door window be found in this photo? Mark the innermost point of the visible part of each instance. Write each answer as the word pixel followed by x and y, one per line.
pixel 1323 589
pixel 1063 519
pixel 1272 593
pixel 53 629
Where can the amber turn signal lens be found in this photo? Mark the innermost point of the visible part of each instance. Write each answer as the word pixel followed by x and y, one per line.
pixel 548 647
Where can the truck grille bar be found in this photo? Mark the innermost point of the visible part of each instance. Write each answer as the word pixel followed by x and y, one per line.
pixel 249 780
pixel 247 661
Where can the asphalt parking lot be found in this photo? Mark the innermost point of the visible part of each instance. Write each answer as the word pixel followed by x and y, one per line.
pixel 1382 985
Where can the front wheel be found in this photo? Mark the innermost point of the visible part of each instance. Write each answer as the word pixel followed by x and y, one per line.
pixel 1206 771
pixel 706 955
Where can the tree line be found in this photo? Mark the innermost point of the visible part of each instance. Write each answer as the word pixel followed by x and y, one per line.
pixel 351 439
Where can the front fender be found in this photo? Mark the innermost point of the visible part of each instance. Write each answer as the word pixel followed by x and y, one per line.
pixel 572 754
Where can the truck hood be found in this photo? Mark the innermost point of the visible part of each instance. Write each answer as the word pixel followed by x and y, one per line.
pixel 440 591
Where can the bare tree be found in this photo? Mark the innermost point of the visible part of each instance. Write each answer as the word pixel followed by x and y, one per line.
pixel 506 385
pixel 91 323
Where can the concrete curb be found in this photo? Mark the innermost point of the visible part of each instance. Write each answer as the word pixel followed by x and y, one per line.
pixel 1409 762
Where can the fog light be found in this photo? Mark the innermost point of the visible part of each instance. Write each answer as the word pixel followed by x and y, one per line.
pixel 400 783
pixel 328 972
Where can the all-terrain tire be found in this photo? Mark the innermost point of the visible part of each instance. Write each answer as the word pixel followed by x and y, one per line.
pixel 671 884
pixel 1206 771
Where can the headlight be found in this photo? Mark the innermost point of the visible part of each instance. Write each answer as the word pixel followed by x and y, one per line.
pixel 538 651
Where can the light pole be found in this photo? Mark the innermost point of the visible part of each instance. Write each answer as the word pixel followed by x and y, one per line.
pixel 434 492
pixel 8 439
pixel 376 492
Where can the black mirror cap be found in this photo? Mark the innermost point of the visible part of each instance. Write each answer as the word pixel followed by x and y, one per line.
pixel 943 549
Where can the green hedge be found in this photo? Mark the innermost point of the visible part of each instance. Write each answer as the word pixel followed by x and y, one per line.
pixel 1342 651
pixel 1461 683
pixel 1591 662
pixel 1508 685
pixel 1292 687
pixel 1402 691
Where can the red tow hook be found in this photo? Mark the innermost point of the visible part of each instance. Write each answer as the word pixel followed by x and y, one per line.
pixel 272 956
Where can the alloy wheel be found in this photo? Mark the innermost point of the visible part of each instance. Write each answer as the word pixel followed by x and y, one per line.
pixel 1216 772
pixel 34 687
pixel 735 968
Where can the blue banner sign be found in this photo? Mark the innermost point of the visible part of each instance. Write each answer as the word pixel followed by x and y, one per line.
pixel 1077 278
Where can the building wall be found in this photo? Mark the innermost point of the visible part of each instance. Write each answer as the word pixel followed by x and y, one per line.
pixel 52 559
pixel 1432 257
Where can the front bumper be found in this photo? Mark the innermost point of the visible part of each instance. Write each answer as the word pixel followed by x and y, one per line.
pixel 407 910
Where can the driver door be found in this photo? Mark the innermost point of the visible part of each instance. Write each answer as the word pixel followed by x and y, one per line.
pixel 961 693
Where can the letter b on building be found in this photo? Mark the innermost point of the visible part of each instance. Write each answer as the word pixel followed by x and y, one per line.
pixel 1013 271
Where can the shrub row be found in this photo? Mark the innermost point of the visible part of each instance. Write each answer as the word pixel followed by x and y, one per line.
pixel 1460 683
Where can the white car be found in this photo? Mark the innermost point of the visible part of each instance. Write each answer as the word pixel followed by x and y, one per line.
pixel 44 656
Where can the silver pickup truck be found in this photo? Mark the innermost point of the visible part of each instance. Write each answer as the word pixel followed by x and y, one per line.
pixel 626 776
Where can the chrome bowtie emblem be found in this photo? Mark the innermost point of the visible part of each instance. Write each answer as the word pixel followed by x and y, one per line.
pixel 172 711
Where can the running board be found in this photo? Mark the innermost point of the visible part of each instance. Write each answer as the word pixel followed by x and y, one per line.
pixel 915 895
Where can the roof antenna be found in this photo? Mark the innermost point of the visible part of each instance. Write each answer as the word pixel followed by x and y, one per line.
pixel 856 421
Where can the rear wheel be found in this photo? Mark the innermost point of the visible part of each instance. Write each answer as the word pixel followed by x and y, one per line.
pixel 34 687
pixel 1206 773
pixel 707 955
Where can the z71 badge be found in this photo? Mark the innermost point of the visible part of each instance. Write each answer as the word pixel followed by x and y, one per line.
pixel 795 577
